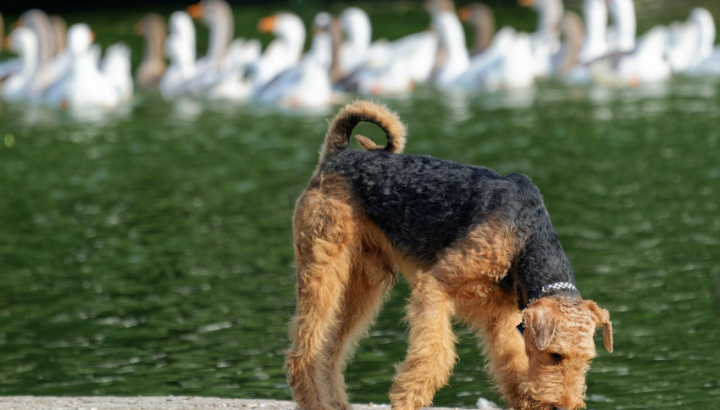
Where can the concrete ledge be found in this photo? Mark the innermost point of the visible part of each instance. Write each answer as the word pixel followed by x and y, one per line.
pixel 154 403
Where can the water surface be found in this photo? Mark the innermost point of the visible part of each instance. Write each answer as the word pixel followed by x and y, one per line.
pixel 150 253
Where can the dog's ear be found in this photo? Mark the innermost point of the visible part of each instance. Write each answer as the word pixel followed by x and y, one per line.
pixel 602 318
pixel 542 323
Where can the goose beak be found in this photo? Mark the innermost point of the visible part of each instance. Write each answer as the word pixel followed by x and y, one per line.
pixel 6 43
pixel 526 3
pixel 465 14
pixel 195 11
pixel 92 36
pixel 137 28
pixel 266 24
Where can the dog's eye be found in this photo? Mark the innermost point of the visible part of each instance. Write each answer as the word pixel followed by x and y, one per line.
pixel 557 357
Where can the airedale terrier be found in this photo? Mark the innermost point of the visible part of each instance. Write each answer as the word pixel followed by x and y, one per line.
pixel 471 243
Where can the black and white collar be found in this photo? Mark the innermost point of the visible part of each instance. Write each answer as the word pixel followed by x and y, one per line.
pixel 545 289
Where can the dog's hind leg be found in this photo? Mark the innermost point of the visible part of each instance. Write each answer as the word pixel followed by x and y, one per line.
pixel 369 282
pixel 325 244
pixel 431 346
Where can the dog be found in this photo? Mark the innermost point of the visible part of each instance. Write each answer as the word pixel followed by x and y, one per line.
pixel 472 244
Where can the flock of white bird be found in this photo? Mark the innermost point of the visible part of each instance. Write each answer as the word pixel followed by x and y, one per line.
pixel 342 57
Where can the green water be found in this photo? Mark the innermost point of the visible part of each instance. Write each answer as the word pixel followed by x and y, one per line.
pixel 151 254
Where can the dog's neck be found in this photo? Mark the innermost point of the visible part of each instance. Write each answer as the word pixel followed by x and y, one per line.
pixel 542 269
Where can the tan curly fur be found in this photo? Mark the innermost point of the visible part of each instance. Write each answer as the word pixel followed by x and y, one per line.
pixel 346 266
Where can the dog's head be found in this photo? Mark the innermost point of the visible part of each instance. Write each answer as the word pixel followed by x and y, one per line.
pixel 559 343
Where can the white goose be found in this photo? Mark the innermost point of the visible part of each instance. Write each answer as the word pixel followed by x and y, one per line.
pixel 306 85
pixel 115 66
pixel 20 84
pixel 452 41
pixel 84 86
pixel 321 48
pixel 647 63
pixel 230 83
pixel 40 24
pixel 384 67
pixel 683 40
pixel 641 63
pixel 219 75
pixel 506 64
pixel 409 60
pixel 595 13
pixel 617 59
pixel 358 31
pixel 282 53
pixel 706 59
pixel 392 77
pixel 180 49
pixel 545 41
pixel 511 62
pixel 594 44
pixel 217 16
pixel 54 60
pixel 395 67
pixel 621 36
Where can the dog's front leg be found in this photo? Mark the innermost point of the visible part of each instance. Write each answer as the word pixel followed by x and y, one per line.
pixel 431 346
pixel 495 318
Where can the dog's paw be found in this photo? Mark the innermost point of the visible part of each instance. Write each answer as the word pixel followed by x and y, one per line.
pixel 341 406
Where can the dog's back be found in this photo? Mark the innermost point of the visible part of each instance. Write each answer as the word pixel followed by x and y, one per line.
pixel 423 204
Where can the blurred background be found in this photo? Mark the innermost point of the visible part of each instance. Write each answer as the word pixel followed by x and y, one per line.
pixel 147 187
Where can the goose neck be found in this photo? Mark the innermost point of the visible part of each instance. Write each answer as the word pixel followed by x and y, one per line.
pixel 452 37
pixel 595 14
pixel 154 45
pixel 623 14
pixel 221 33
pixel 550 14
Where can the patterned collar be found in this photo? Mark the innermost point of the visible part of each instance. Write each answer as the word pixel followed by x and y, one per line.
pixel 546 288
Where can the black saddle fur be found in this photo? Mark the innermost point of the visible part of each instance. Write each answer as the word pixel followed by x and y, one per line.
pixel 424 205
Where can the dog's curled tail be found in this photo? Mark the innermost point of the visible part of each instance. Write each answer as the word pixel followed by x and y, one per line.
pixel 338 136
